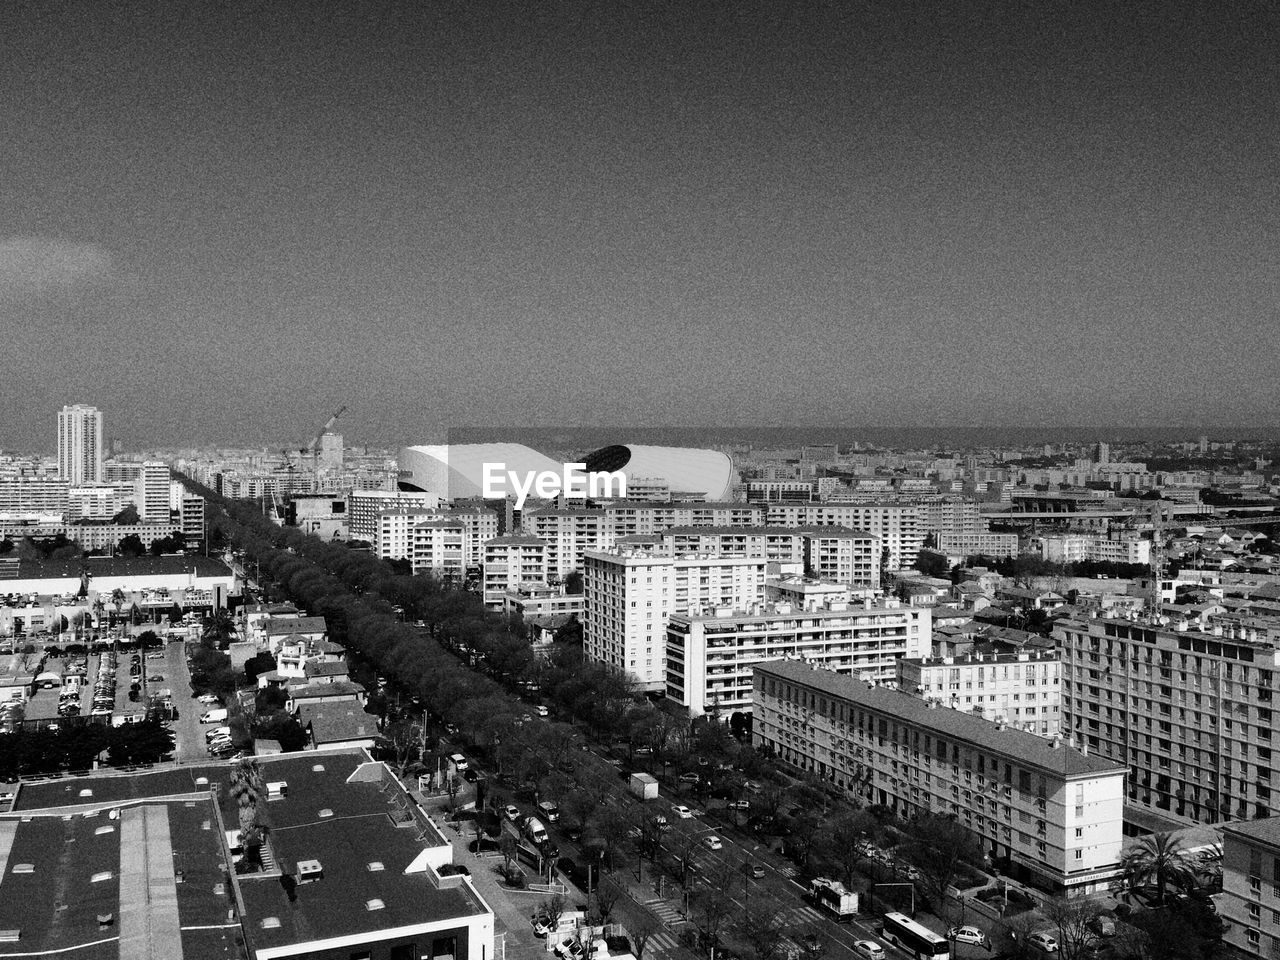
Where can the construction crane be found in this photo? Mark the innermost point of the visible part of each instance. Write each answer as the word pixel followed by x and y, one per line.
pixel 315 444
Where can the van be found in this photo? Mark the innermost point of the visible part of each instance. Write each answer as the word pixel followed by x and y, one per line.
pixel 535 831
pixel 458 762
pixel 213 716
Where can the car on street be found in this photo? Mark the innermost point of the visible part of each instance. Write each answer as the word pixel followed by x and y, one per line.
pixel 739 804
pixel 967 935
pixel 712 843
pixel 155 656
pixel 543 711
pixel 155 678
pixel 756 871
pixel 1043 941
pixel 683 812
pixel 512 812
pixel 869 949
pixel 690 778
pixel 549 810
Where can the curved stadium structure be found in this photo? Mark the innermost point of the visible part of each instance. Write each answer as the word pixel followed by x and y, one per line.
pixel 456 471
pixel 703 474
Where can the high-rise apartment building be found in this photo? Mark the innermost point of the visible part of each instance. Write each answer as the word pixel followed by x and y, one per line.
pixel 153 491
pixel 510 561
pixel 1190 712
pixel 363 507
pixel 630 594
pixel 1023 689
pixel 80 458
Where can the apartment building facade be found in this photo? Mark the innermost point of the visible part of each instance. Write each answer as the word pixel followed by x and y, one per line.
pixel 1190 713
pixel 510 561
pixel 26 496
pixel 1044 812
pixel 897 525
pixel 1070 548
pixel 365 506
pixel 710 655
pixel 439 548
pixel 1022 689
pixel 80 455
pixel 630 594
pixel 1250 904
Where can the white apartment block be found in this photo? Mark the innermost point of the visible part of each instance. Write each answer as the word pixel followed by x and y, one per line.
pixel 510 561
pixel 710 655
pixel 835 554
pixel 33 497
pixel 534 601
pixel 569 534
pixel 439 547
pixel 80 444
pixel 630 595
pixel 630 517
pixel 1190 713
pixel 153 491
pixel 480 525
pixel 393 537
pixel 1071 548
pixel 897 525
pixel 1045 812
pixel 951 515
pixel 363 507
pixel 1022 689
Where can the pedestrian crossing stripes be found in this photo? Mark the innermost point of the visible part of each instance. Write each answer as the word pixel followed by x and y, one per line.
pixel 800 915
pixel 789 870
pixel 666 911
pixel 662 943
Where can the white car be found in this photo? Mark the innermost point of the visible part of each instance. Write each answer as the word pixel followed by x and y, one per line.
pixel 712 843
pixel 1042 941
pixel 869 949
pixel 683 812
pixel 967 935
pixel 512 812
pixel 543 712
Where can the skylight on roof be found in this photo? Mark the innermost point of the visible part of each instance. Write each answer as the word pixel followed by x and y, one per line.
pixel 318 768
pixel 270 923
pixel 100 877
pixel 374 904
pixel 24 868
pixel 86 793
pixel 326 812
pixel 375 866
pixel 101 830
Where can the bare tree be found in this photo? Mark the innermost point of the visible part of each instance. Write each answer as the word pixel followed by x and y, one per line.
pixel 762 928
pixel 451 786
pixel 553 909
pixel 640 931
pixel 1072 917
pixel 607 893
pixel 713 906
pixel 507 847
pixel 1012 934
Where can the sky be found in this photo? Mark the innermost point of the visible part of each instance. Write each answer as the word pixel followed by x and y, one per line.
pixel 220 222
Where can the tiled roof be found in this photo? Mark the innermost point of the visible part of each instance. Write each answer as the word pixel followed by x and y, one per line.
pixel 1024 748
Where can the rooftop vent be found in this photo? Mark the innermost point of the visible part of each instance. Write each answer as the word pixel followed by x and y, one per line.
pixel 202 781
pixel 24 868
pixel 86 793
pixel 318 768
pixel 326 812
pixel 277 789
pixel 105 920
pixel 270 923
pixel 376 866
pixel 374 904
pixel 310 871
pixel 101 830
pixel 100 877
pixel 11 936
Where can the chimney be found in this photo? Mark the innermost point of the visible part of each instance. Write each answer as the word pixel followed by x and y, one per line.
pixel 1056 742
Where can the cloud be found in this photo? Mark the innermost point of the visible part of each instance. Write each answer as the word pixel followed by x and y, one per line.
pixel 40 265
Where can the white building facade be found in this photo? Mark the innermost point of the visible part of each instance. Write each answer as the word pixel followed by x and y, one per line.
pixel 1022 689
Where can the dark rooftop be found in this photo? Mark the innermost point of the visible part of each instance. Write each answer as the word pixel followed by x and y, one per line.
pixel 121 567
pixel 293 625
pixel 339 722
pixel 1267 831
pixel 1024 748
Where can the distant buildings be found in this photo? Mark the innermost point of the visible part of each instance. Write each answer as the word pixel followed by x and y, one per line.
pixel 80 457
pixel 896 525
pixel 1042 810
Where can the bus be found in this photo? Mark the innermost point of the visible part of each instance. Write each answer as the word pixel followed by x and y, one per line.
pixel 917 940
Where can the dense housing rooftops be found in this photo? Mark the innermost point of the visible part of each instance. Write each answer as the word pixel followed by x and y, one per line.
pixel 1026 749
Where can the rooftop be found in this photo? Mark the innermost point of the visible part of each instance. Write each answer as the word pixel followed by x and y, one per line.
pixel 313 691
pixel 1266 831
pixel 32 569
pixel 1026 749
pixel 338 808
pixel 339 722
pixel 294 625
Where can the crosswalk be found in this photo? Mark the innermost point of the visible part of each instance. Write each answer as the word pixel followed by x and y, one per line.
pixel 666 911
pixel 799 915
pixel 665 942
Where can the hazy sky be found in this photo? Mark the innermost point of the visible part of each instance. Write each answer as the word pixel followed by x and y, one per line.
pixel 218 222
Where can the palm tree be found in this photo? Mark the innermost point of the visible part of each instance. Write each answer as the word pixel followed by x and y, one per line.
pixel 246 787
pixel 218 629
pixel 1158 857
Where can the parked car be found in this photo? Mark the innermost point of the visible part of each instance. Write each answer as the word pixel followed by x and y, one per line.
pixel 543 711
pixel 1043 941
pixel 967 935
pixel 739 805
pixel 756 871
pixel 712 843
pixel 690 778
pixel 511 812
pixel 869 949
pixel 683 812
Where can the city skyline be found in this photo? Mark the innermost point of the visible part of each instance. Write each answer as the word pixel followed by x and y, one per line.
pixel 221 229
